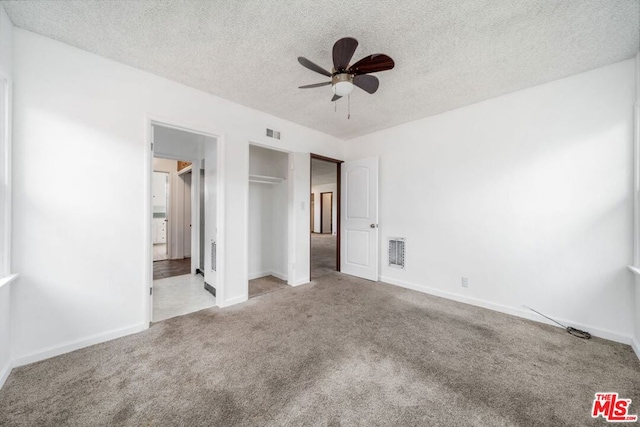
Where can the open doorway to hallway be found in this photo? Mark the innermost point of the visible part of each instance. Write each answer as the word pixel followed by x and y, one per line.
pixel 180 215
pixel 171 223
pixel 325 213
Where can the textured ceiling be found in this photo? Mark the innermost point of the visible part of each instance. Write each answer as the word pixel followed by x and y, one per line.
pixel 448 53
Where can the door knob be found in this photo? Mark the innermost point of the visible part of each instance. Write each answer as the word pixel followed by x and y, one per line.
pixel 373 225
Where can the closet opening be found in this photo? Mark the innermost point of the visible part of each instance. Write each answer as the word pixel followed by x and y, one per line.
pixel 268 220
pixel 325 216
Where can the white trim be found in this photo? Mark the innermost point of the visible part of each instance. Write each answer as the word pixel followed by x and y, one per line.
pixel 519 312
pixel 300 282
pixel 233 301
pixel 221 230
pixel 5 372
pixel 268 273
pixel 259 275
pixel 635 345
pixel 78 344
pixel 280 276
pixel 185 170
pixel 7 279
pixel 148 223
pixel 634 270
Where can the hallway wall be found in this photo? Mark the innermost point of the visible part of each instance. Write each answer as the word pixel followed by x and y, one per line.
pixel 317 191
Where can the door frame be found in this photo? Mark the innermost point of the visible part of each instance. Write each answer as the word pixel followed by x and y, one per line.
pixel 312 208
pixel 200 129
pixel 338 175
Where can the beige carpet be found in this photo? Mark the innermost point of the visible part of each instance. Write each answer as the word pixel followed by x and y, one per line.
pixel 341 351
pixel 323 254
pixel 264 285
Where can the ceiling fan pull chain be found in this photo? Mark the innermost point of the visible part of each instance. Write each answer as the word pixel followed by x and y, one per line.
pixel 335 107
pixel 348 107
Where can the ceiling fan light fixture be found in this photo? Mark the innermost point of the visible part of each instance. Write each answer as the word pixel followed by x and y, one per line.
pixel 342 84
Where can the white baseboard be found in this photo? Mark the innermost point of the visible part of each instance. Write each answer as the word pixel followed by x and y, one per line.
pixel 267 273
pixel 233 301
pixel 635 345
pixel 300 282
pixel 77 344
pixel 280 276
pixel 514 311
pixel 5 372
pixel 252 276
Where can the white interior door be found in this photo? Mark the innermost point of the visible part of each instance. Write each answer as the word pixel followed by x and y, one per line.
pixel 359 218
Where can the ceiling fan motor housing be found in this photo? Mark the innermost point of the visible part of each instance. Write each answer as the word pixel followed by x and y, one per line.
pixel 342 84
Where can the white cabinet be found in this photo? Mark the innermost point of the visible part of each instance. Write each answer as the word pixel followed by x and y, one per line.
pixel 159 230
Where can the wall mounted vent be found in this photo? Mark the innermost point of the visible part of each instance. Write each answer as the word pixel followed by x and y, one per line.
pixel 396 252
pixel 273 133
pixel 213 255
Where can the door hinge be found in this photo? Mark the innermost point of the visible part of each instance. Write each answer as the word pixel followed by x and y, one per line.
pixel 150 291
pixel 152 146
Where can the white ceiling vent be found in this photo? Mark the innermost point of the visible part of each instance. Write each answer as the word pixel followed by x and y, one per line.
pixel 273 133
pixel 396 252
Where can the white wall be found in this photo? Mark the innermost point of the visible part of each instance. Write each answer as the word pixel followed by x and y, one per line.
pixel 178 144
pixel 6 52
pixel 636 337
pixel 299 215
pixel 317 191
pixel 74 289
pixel 529 195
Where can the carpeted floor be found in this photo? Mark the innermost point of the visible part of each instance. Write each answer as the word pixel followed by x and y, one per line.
pixel 264 285
pixel 340 351
pixel 323 254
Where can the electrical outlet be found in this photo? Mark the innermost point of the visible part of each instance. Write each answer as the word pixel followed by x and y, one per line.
pixel 465 282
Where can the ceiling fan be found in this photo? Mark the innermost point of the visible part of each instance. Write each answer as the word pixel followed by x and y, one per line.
pixel 345 76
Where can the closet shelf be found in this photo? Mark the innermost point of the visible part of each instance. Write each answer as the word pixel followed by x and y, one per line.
pixel 260 179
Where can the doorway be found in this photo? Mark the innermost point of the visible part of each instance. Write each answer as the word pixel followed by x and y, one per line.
pixel 172 204
pixel 178 165
pixel 325 216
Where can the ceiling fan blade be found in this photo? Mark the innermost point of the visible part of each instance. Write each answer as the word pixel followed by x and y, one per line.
pixel 314 85
pixel 367 83
pixel 343 51
pixel 372 64
pixel 335 98
pixel 313 67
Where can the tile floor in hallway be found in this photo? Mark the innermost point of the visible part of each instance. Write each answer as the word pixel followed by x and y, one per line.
pixel 179 295
pixel 160 251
